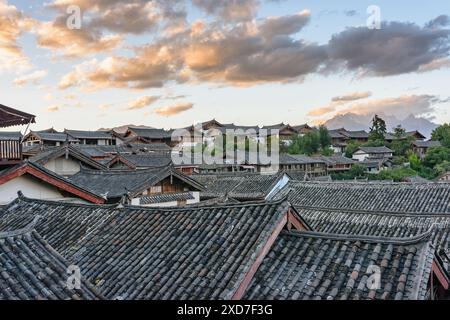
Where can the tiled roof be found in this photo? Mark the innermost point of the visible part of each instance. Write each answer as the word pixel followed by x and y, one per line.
pixel 393 197
pixel 379 224
pixel 190 253
pixel 322 266
pixel 298 175
pixel 375 149
pixel 117 183
pixel 147 160
pixel 151 133
pixel 148 147
pixel 361 134
pixel 55 152
pixel 61 224
pixel 79 134
pixel 49 177
pixel 11 117
pixel 10 136
pixel 239 186
pixel 336 160
pixel 32 270
pixel 295 159
pixel 166 197
pixel 58 137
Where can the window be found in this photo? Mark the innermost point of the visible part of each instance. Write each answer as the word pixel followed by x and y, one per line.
pixel 155 189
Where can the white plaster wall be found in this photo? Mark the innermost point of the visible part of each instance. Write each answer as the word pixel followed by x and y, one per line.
pixel 360 156
pixel 63 166
pixel 30 187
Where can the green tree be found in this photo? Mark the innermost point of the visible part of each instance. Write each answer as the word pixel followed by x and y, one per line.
pixel 378 129
pixel 308 144
pixel 401 143
pixel 442 134
pixel 352 146
pixel 327 152
pixel 395 174
pixel 436 156
pixel 414 161
pixel 325 138
pixel 357 170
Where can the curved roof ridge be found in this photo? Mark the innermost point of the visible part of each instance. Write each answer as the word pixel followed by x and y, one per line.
pixel 379 212
pixel 424 237
pixel 22 197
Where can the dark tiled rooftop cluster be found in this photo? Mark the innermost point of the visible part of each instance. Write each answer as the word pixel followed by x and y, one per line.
pixel 238 186
pixel 177 254
pixel 32 270
pixel 61 224
pixel 166 197
pixel 393 197
pixel 377 224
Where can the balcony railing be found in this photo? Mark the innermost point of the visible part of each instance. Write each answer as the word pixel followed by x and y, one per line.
pixel 10 151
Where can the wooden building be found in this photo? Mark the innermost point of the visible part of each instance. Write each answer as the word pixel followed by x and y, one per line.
pixel 11 142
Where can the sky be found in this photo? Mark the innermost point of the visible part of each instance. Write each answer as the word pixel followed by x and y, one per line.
pixel 171 63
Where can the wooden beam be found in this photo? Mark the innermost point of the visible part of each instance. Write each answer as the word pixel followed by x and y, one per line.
pixel 439 275
pixel 261 255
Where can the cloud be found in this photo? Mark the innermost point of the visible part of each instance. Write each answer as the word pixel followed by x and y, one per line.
pixel 33 77
pixel 285 25
pixel 105 106
pixel 397 48
pixel 321 111
pixel 127 17
pixel 173 110
pixel 12 25
pixel 338 101
pixel 400 107
pixel 435 65
pixel 135 18
pixel 245 54
pixel 229 10
pixel 53 108
pixel 352 96
pixel 73 43
pixel 142 102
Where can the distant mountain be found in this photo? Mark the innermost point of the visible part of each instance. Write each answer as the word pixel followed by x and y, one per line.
pixel 352 121
pixel 124 128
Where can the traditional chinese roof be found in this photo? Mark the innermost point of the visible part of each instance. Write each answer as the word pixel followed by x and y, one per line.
pixel 336 160
pixel 10 117
pixel 60 223
pixel 10 136
pixel 150 133
pixel 186 253
pixel 49 177
pixel 166 197
pixel 69 150
pixel 361 134
pixel 310 265
pixel 114 184
pixel 32 270
pixel 52 136
pixel 240 186
pixel 372 150
pixel 377 196
pixel 379 224
pixel 79 134
pixel 426 144
pixel 145 160
pixel 296 159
